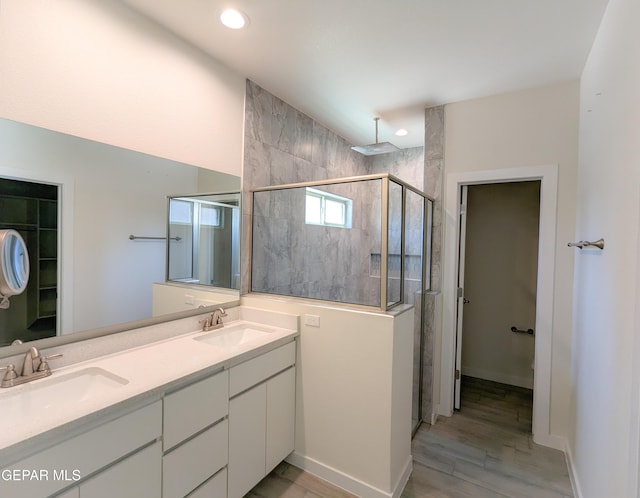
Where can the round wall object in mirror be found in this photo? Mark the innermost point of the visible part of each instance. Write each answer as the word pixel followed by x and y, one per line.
pixel 14 266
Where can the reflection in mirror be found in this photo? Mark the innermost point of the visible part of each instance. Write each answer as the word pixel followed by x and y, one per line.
pixel 30 209
pixel 14 266
pixel 204 240
pixel 91 274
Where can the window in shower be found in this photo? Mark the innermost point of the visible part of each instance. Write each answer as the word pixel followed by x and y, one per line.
pixel 324 208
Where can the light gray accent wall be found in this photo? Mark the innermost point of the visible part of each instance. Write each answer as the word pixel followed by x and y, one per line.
pixel 406 164
pixel 434 141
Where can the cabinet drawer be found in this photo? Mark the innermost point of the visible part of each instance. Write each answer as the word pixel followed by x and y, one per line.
pixel 216 487
pixel 83 454
pixel 189 465
pixel 194 407
pixel 250 373
pixel 133 477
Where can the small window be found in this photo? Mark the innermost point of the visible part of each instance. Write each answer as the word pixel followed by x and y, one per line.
pixel 323 208
pixel 181 212
pixel 211 216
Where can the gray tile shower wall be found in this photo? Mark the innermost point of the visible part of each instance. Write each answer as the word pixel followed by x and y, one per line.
pixel 328 263
pixel 433 186
pixel 283 145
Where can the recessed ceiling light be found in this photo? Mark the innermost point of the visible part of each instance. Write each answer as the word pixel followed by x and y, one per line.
pixel 233 19
pixel 402 132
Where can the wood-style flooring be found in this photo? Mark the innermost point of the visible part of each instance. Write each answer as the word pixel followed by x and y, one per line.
pixel 484 450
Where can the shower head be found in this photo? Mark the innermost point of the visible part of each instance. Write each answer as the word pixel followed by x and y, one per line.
pixel 376 148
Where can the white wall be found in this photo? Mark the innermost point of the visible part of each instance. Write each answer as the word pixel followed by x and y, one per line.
pixel 353 413
pixel 529 128
pixel 605 373
pixel 99 70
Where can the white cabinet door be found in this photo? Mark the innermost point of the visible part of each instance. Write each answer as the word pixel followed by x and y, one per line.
pixel 247 439
pixel 281 417
pixel 135 476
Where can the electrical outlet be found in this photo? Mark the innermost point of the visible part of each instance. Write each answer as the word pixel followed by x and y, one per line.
pixel 312 320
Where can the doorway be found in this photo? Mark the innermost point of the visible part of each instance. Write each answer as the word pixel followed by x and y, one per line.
pixel 31 209
pixel 497 278
pixel 548 176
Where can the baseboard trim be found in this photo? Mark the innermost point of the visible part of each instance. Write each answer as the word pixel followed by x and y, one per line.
pixel 551 441
pixel 573 475
pixel 404 478
pixel 347 482
pixel 512 380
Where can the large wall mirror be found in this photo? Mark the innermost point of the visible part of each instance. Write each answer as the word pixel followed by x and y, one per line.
pixel 77 203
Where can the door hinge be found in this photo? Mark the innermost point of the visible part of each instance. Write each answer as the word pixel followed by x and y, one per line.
pixel 460 292
pixel 463 209
pixel 457 374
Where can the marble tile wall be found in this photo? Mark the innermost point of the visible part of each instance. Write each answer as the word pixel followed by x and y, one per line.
pixel 433 185
pixel 283 145
pixel 290 257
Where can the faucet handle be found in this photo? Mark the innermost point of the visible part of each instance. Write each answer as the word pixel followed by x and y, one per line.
pixel 11 372
pixel 206 323
pixel 9 378
pixel 44 364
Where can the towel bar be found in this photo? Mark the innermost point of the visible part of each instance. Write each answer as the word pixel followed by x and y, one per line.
pixel 585 243
pixel 136 237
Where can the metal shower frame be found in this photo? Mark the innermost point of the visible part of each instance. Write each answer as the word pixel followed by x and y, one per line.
pixel 386 179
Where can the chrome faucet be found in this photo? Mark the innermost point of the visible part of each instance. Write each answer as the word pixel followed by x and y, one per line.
pixel 29 371
pixel 214 321
pixel 217 316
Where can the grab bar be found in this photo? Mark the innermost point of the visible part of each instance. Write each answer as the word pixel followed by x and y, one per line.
pixel 516 330
pixel 136 237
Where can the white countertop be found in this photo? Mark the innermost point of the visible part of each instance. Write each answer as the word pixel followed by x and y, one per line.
pixel 149 370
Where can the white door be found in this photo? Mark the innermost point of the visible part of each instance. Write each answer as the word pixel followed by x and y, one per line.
pixel 461 301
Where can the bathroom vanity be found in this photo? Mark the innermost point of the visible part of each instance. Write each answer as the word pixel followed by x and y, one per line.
pixel 203 414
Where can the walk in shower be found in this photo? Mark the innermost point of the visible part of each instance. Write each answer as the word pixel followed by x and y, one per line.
pixel 362 240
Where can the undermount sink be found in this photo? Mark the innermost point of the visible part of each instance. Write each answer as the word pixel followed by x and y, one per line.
pixel 235 336
pixel 42 397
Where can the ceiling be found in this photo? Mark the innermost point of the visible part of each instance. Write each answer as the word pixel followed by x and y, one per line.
pixel 343 62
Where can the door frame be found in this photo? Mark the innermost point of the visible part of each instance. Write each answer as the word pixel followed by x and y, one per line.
pixel 460 301
pixel 548 177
